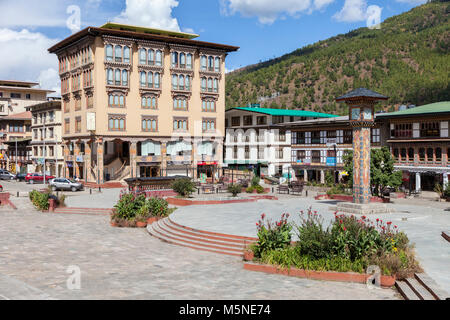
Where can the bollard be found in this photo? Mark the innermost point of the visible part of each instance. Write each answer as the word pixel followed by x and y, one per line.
pixel 306 192
pixel 198 191
pixel 17 194
pixel 99 189
pixel 90 190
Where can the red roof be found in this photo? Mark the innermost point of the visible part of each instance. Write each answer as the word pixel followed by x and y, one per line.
pixel 18 116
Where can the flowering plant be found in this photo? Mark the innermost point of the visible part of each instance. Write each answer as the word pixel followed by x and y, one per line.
pixel 272 235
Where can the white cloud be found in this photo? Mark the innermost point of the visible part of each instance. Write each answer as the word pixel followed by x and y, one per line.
pixel 150 13
pixel 352 11
pixel 268 11
pixel 25 57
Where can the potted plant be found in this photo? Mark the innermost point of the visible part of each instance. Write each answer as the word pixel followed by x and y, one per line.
pixel 141 221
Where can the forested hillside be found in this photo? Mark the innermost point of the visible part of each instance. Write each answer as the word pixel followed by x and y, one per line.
pixel 407 59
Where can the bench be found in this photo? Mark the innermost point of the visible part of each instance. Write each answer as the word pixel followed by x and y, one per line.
pixel 222 188
pixel 207 188
pixel 297 188
pixel 283 189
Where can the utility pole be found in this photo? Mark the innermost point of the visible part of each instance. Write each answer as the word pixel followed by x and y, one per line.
pixel 56 154
pixel 16 156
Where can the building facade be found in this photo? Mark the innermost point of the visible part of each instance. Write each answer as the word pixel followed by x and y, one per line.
pixel 420 143
pixel 15 97
pixel 16 134
pixel 140 102
pixel 46 138
pixel 258 139
pixel 318 147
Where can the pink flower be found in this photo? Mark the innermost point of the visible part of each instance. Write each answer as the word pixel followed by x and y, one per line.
pixel 389 222
pixel 345 229
pixel 263 216
pixel 395 226
pixel 363 217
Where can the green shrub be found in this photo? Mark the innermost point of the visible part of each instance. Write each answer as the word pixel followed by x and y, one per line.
pixel 255 181
pixel 39 199
pixel 158 207
pixel 249 189
pixel 129 205
pixel 259 189
pixel 183 186
pixel 234 189
pixel 272 235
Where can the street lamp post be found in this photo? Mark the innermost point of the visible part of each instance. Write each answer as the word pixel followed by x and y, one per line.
pixel 45 150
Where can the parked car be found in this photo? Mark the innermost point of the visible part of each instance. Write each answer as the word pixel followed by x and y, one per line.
pixel 65 184
pixel 6 175
pixel 37 177
pixel 20 176
pixel 1 188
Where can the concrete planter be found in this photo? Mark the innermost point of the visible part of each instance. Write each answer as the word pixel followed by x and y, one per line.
pixel 248 255
pixel 152 220
pixel 141 224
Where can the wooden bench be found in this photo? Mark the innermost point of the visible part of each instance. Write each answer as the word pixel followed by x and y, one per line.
pixel 283 189
pixel 297 188
pixel 208 188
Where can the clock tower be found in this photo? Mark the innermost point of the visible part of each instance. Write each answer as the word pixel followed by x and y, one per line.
pixel 361 103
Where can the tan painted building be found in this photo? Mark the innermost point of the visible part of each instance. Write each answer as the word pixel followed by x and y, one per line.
pixel 141 102
pixel 46 134
pixel 15 96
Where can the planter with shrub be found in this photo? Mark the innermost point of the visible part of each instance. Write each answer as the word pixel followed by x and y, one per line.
pixel 234 189
pixel 349 244
pixel 137 211
pixel 183 186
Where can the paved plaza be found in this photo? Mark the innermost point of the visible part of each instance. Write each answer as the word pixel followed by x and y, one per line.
pixel 37 248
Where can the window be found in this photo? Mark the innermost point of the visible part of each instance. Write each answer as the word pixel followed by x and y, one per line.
pixel 180 103
pixel 157 80
pixel 142 56
pixel 203 63
pixel 28 96
pixel 280 136
pixel 438 153
pixel 174 59
pixel 78 104
pixel 51 132
pixel 158 58
pixel 116 122
pixel 260 136
pixel 208 106
pixel 403 154
pixel 260 152
pixel 118 53
pixel 151 57
pixel 149 124
pixel 66 106
pixel 315 137
pixel 261 120
pixel 430 154
pixel 182 60
pixel 396 154
pixel 216 85
pixel 422 154
pixel 203 84
pixel 116 100
pixel 208 125
pixel 16 95
pixel 67 126
pixel 148 102
pixel 217 64
pixel 117 76
pixel 348 136
pixel 277 119
pixel 235 121
pixel 235 152
pixel 210 85
pixel 109 76
pixel 180 124
pixel 189 61
pixel 78 124
pixel 279 153
pixel 109 52
pixel 411 154
pixel 124 77
pixel 210 63
pixel 375 135
pixel 248 120
pixel 90 101
pixel 315 156
pixel 174 82
pixel 402 130
pixel 247 152
pixel 180 82
pixel 51 151
pixel 126 54
pixel 429 129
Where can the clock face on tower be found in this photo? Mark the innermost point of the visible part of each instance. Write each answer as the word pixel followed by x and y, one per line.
pixel 367 114
pixel 355 113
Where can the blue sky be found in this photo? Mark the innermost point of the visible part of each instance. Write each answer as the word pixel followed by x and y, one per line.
pixel 263 29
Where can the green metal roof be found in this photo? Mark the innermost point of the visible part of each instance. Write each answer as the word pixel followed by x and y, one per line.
pixel 170 33
pixel 286 112
pixel 437 107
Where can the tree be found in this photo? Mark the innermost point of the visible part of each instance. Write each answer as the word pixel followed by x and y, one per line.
pixel 382 172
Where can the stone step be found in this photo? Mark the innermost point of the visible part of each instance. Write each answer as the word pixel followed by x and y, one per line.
pixel 419 289
pixel 157 232
pixel 180 234
pixel 92 211
pixel 406 291
pixel 208 235
pixel 431 285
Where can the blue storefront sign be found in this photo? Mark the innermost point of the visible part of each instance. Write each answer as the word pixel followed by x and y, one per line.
pixel 331 161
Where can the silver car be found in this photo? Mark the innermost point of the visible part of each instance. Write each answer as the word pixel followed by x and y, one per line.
pixel 65 184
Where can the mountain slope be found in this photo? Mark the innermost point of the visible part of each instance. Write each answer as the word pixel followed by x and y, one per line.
pixel 407 59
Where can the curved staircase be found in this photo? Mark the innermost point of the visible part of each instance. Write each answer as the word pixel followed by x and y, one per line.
pixel 174 233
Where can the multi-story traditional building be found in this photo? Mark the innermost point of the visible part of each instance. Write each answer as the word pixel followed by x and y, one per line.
pixel 140 102
pixel 420 142
pixel 318 146
pixel 46 142
pixel 16 133
pixel 257 138
pixel 15 96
